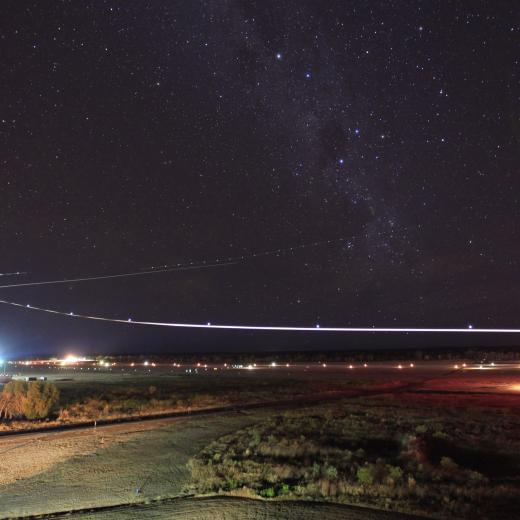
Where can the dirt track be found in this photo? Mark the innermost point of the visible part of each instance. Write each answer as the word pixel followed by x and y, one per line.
pixel 229 508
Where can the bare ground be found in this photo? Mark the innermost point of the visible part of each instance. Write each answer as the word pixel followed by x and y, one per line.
pixel 75 472
pixel 228 508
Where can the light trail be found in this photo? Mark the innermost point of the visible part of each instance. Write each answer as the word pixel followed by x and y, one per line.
pixel 17 273
pixel 259 254
pixel 184 267
pixel 267 328
pixel 202 264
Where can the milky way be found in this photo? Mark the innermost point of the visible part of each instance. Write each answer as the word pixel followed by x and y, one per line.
pixel 147 134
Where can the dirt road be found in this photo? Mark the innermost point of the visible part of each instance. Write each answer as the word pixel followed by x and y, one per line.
pixel 229 508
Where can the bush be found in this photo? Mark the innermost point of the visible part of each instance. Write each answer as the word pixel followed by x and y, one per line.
pixel 35 400
pixel 42 397
pixel 267 492
pixel 448 464
pixel 365 475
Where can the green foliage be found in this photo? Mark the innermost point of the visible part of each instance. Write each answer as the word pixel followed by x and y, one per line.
pixel 285 489
pixel 42 398
pixel 34 400
pixel 331 472
pixel 267 492
pixel 365 475
pixel 395 472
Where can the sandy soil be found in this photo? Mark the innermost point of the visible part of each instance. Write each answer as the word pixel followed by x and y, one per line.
pixel 74 472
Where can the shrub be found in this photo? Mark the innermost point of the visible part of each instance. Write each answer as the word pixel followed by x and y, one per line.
pixel 35 400
pixel 448 464
pixel 365 475
pixel 267 492
pixel 42 397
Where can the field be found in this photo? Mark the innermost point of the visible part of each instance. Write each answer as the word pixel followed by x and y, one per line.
pixel 429 440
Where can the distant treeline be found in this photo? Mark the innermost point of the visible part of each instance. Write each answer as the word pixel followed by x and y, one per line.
pixel 437 354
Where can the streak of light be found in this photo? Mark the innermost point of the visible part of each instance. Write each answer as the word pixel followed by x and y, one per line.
pixel 258 254
pixel 121 275
pixel 17 273
pixel 272 328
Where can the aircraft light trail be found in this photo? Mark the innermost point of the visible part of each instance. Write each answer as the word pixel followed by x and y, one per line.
pixel 267 328
pixel 201 264
pixel 259 254
pixel 122 275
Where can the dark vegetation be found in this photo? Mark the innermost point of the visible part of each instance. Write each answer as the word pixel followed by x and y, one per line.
pixel 476 355
pixel 389 453
pixel 143 395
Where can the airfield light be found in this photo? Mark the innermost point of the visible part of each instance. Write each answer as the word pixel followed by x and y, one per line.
pixel 351 367
pixel 287 365
pixel 399 367
pixel 464 365
pixel 365 365
pixel 324 365
pixel 456 366
pixel 411 365
pixel 70 359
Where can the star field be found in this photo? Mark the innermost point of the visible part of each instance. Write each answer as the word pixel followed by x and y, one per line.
pixel 137 134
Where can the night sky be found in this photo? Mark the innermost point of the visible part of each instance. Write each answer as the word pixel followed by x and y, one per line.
pixel 135 134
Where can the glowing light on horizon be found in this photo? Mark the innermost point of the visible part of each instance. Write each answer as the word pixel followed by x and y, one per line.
pixel 71 359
